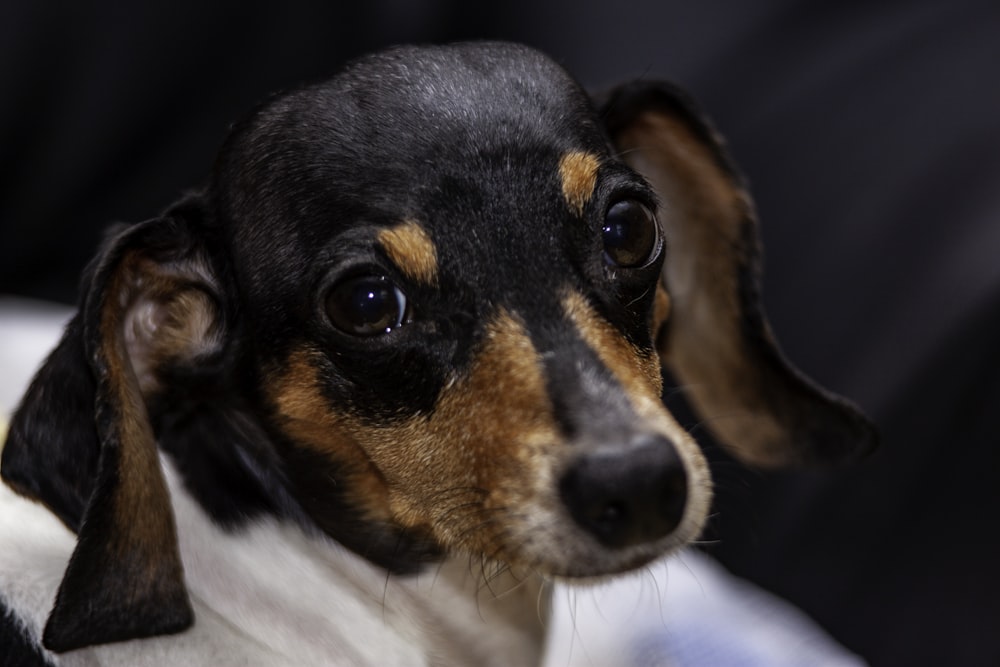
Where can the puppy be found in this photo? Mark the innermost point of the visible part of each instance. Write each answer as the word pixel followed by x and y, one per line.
pixel 399 362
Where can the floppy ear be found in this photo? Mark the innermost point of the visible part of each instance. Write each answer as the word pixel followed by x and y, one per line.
pixel 714 337
pixel 81 441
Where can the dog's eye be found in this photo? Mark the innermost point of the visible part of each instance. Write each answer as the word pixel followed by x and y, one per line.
pixel 366 306
pixel 630 234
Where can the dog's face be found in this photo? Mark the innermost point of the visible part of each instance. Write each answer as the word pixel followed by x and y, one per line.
pixel 459 324
pixel 430 301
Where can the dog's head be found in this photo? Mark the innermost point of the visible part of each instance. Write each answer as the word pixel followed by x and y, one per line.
pixel 425 306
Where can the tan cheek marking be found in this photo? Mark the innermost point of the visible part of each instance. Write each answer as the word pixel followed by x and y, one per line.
pixel 412 251
pixel 308 418
pixel 638 373
pixel 481 449
pixel 578 174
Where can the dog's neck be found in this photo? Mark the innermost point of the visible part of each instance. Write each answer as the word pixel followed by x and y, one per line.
pixel 308 596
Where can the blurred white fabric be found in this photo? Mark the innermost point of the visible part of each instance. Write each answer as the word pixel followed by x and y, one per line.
pixel 685 611
pixel 28 332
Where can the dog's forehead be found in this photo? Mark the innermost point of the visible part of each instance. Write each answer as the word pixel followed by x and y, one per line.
pixel 409 108
pixel 397 123
pixel 469 141
pixel 464 96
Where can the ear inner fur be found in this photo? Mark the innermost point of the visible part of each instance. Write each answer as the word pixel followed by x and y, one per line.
pixel 171 319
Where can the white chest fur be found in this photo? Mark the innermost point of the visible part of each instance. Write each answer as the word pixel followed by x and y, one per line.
pixel 268 594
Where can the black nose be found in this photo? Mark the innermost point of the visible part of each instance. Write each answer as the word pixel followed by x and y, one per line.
pixel 627 495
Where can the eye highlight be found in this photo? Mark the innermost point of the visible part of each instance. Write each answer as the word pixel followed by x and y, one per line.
pixel 366 306
pixel 630 234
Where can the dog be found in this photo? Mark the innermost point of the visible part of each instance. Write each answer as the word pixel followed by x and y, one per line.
pixel 394 369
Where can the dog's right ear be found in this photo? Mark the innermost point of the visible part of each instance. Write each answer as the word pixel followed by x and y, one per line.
pixel 712 333
pixel 82 444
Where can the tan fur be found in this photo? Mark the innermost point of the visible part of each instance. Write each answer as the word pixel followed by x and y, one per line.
pixel 578 175
pixel 661 310
pixel 412 251
pixel 637 372
pixel 141 504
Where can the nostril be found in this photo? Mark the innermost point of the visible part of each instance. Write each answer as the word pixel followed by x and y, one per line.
pixel 633 494
pixel 612 512
pixel 604 517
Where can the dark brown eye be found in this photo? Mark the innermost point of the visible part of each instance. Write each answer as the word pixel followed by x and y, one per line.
pixel 630 234
pixel 366 306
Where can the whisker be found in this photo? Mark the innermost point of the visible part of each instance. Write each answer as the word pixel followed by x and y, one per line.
pixel 385 592
pixel 680 559
pixel 544 614
pixel 660 593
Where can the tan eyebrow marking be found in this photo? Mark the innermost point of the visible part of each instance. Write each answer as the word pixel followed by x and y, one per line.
pixel 412 251
pixel 578 174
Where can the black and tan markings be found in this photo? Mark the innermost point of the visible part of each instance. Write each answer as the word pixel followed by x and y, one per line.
pixel 479 472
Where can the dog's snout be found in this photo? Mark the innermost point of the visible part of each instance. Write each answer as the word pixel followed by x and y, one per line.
pixel 627 495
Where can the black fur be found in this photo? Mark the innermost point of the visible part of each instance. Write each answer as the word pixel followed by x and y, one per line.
pixel 16 649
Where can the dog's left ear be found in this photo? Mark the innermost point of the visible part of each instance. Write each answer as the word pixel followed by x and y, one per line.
pixel 149 302
pixel 713 335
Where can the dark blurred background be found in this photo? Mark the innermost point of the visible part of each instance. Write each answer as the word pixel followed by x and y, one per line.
pixel 870 132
